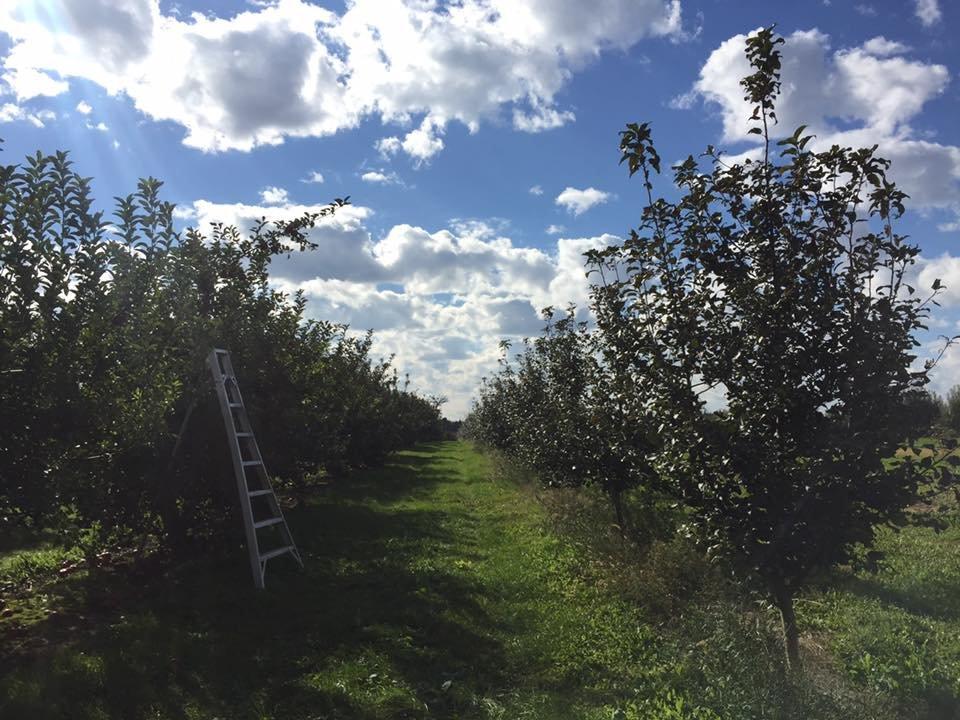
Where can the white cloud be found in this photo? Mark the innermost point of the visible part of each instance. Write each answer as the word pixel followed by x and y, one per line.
pixel 855 97
pixel 388 146
pixel 84 108
pixel 554 229
pixel 101 126
pixel 273 195
pixel 424 142
pixel 313 177
pixel 293 69
pixel 928 12
pixel 420 144
pixel 946 269
pixel 881 93
pixel 684 101
pixel 10 112
pixel 881 47
pixel 184 212
pixel 541 118
pixel 27 82
pixel 440 300
pixel 378 177
pixel 579 201
pixel 536 190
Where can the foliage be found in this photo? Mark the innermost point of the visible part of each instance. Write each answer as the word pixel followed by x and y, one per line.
pixel 920 412
pixel 562 410
pixel 104 329
pixel 780 283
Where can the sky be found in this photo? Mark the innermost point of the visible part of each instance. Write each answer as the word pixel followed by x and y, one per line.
pixel 477 139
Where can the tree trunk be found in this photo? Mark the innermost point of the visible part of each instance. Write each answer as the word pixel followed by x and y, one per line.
pixel 791 636
pixel 616 498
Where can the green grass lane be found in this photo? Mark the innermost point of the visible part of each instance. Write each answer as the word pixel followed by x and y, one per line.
pixel 430 590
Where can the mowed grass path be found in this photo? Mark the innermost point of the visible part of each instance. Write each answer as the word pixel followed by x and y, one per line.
pixel 430 590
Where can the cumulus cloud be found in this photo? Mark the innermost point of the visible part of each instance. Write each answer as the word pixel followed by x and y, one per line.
pixel 541 118
pixel 554 229
pixel 84 108
pixel 424 142
pixel 536 190
pixel 440 299
pixel 313 177
pixel 10 112
pixel 184 212
pixel 27 83
pixel 378 177
pixel 881 47
pixel 272 195
pixel 856 96
pixel 579 201
pixel 293 69
pixel 928 12
pixel 388 146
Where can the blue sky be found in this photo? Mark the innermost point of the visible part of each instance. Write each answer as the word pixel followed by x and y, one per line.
pixel 477 139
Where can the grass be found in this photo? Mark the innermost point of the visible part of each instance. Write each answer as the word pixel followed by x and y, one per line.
pixel 429 591
pixel 436 588
pixel 898 630
pixel 34 564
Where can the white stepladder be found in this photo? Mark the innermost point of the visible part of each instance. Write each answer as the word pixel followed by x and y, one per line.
pixel 253 483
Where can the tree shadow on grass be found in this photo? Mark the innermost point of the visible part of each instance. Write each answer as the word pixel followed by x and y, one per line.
pixel 937 598
pixel 374 606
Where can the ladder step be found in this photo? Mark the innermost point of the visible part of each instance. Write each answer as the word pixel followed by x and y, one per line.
pixel 230 404
pixel 259 493
pixel 267 522
pixel 279 551
pixel 249 463
pixel 244 434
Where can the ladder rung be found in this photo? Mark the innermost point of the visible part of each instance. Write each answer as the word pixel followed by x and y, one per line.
pixel 273 553
pixel 244 434
pixel 267 522
pixel 249 463
pixel 221 352
pixel 230 404
pixel 259 493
